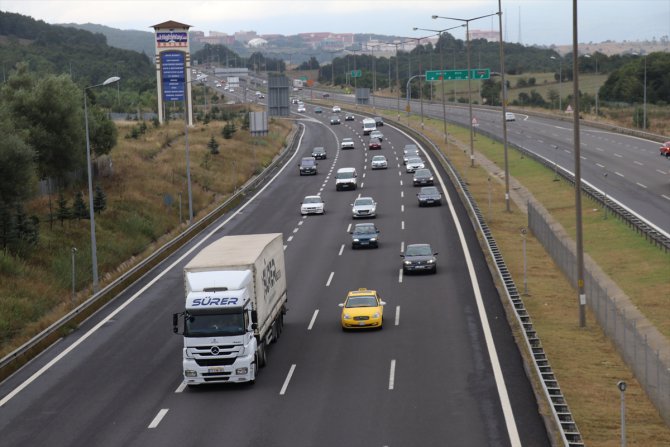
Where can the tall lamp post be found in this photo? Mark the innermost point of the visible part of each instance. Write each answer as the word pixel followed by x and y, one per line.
pixel 94 249
pixel 595 56
pixel 444 107
pixel 397 81
pixel 560 82
pixel 467 35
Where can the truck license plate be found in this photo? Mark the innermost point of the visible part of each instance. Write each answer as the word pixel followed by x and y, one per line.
pixel 215 370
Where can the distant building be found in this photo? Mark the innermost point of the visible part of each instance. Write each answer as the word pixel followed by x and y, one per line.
pixel 489 36
pixel 245 36
pixel 257 42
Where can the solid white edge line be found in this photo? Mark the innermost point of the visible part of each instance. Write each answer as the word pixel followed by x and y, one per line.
pixel 159 417
pixel 288 379
pixel 392 375
pixel 508 414
pixel 139 293
pixel 397 315
pixel 311 322
pixel 330 278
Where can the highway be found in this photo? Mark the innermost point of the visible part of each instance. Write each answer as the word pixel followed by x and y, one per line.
pixel 628 169
pixel 443 371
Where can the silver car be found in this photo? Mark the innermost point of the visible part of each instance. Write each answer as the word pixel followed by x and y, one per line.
pixel 364 207
pixel 413 164
pixel 379 162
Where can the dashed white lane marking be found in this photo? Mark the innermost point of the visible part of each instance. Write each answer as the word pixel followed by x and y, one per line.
pixel 288 379
pixel 295 230
pixel 397 315
pixel 290 238
pixel 618 155
pixel 402 208
pixel 619 174
pixel 638 163
pixel 392 375
pixel 402 247
pixel 661 172
pixel 300 223
pixel 665 197
pixel 181 387
pixel 400 182
pixel 341 250
pixel 311 322
pixel 330 278
pixel 599 165
pixel 641 185
pixel 402 225
pixel 402 194
pixel 159 417
pixel 400 276
pixel 600 149
pixel 348 228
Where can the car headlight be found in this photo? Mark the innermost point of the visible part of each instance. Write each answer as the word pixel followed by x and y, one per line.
pixel 375 315
pixel 431 179
pixel 431 261
pixel 373 239
pixel 346 317
pixel 356 240
pixel 407 262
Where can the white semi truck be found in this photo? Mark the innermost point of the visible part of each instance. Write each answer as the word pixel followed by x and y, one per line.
pixel 235 306
pixel 369 125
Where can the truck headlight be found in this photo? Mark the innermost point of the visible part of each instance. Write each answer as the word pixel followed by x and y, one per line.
pixel 241 371
pixel 190 373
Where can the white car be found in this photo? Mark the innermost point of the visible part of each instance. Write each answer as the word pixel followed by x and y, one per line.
pixel 301 108
pixel 379 162
pixel 336 109
pixel 347 143
pixel 413 164
pixel 509 116
pixel 312 205
pixel 377 134
pixel 364 207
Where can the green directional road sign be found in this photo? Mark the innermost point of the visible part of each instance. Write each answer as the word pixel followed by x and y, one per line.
pixel 303 78
pixel 356 73
pixel 458 75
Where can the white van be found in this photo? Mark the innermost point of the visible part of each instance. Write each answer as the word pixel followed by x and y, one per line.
pixel 345 178
pixel 369 125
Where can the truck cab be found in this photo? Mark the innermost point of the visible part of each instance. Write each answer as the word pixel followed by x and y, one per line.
pixel 369 125
pixel 218 328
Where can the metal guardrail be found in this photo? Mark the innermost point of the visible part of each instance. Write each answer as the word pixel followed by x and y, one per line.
pixel 14 360
pixel 642 227
pixel 562 415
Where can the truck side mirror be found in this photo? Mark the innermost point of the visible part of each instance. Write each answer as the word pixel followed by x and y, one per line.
pixel 254 317
pixel 175 323
pixel 254 326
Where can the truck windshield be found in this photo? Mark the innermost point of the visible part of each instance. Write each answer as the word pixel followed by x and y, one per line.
pixel 212 325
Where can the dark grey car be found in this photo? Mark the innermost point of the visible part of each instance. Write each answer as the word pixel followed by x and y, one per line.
pixel 422 177
pixel 365 235
pixel 429 195
pixel 419 258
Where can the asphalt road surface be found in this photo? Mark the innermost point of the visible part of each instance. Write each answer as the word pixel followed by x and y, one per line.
pixel 443 371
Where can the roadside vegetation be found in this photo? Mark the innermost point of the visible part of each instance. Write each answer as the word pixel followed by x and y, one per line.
pixel 146 204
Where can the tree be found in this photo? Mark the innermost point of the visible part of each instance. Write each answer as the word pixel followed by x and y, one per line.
pixel 79 210
pixel 102 131
pixel 99 200
pixel 228 130
pixel 17 167
pixel 311 64
pixel 63 212
pixel 49 110
pixel 213 146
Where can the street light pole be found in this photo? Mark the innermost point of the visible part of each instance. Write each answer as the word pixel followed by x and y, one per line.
pixel 94 249
pixel 560 82
pixel 467 35
pixel 503 87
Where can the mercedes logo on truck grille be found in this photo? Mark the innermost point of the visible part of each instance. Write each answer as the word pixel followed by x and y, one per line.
pixel 215 350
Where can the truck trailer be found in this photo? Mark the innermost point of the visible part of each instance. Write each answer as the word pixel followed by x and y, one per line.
pixel 235 305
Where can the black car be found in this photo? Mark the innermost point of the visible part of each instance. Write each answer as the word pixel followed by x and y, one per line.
pixel 326 95
pixel 319 153
pixel 422 177
pixel 419 258
pixel 349 117
pixel 307 166
pixel 335 119
pixel 365 235
pixel 379 121
pixel 429 195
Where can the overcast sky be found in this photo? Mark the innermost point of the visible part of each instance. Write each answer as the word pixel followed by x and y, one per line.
pixel 542 22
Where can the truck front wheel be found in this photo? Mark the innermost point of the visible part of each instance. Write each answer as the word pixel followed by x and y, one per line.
pixel 261 356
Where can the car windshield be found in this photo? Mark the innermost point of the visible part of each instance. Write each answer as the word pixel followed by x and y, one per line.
pixel 318 150
pixel 428 191
pixel 365 229
pixel 365 201
pixel 212 325
pixel 347 174
pixel 415 160
pixel 378 158
pixel 419 250
pixel 347 140
pixel 307 162
pixel 312 200
pixel 362 301
pixel 422 173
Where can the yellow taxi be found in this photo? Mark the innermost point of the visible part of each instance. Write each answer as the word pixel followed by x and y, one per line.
pixel 363 309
